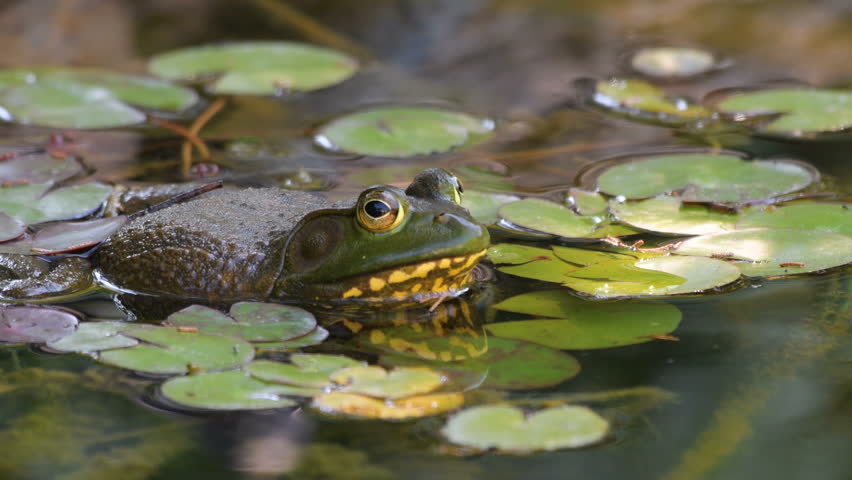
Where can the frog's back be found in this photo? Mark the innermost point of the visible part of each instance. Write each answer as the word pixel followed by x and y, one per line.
pixel 225 245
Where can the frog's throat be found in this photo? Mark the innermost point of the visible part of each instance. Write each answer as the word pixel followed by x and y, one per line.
pixel 417 282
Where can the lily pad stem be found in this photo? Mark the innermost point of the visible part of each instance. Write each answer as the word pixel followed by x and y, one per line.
pixel 194 129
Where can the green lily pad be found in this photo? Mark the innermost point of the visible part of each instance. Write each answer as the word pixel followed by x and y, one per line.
pixel 586 203
pixel 96 336
pixel 584 257
pixel 397 131
pixel 232 390
pixel 771 252
pixel 657 276
pixel 831 217
pixel 530 262
pixel 703 177
pixel 375 381
pixel 669 215
pixel 508 364
pixel 483 206
pixel 362 406
pixel 306 370
pixel 549 217
pixel 85 98
pixel 583 324
pixel 35 324
pixel 256 68
pixel 641 101
pixel 800 110
pixel 314 337
pixel 672 62
pixel 169 351
pixel 507 428
pixel 252 321
pixel 65 237
pixel 33 203
pixel 10 228
pixel 36 167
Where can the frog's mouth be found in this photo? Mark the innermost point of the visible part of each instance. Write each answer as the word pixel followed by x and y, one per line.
pixel 411 283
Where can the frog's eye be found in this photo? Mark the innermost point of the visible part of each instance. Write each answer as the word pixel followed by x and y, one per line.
pixel 458 190
pixel 379 211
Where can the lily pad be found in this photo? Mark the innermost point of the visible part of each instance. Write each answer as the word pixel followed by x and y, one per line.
pixel 85 98
pixel 306 370
pixel 232 390
pixel 641 101
pixel 256 68
pixel 800 111
pixel 549 217
pixel 252 321
pixel 483 206
pixel 375 381
pixel 770 252
pixel 355 405
pixel 831 217
pixel 530 262
pixel 35 324
pixel 583 324
pixel 586 203
pixel 669 215
pixel 507 428
pixel 95 336
pixel 65 237
pixel 33 203
pixel 314 337
pixel 397 131
pixel 672 62
pixel 36 167
pixel 704 177
pixel 643 278
pixel 169 351
pixel 10 228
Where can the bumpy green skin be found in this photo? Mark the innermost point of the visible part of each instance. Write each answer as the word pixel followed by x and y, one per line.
pixel 277 244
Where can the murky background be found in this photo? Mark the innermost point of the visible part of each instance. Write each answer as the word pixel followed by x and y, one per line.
pixel 759 385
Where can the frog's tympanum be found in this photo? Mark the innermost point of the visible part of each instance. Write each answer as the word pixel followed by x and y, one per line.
pixel 392 247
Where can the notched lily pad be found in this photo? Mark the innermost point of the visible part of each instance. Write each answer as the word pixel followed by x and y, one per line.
pixel 35 324
pixel 375 381
pixel 669 215
pixel 256 68
pixel 252 321
pixel 639 100
pixel 170 351
pixel 36 203
pixel 549 217
pixel 232 390
pixel 399 131
pixel 306 370
pixel 96 336
pixel 85 98
pixel 507 428
pixel 705 177
pixel 65 237
pixel 362 406
pixel 771 252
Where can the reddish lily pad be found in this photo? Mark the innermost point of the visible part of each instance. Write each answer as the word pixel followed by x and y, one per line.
pixel 35 324
pixel 36 167
pixel 65 237
pixel 10 228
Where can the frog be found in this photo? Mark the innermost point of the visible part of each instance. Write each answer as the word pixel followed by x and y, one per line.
pixel 389 247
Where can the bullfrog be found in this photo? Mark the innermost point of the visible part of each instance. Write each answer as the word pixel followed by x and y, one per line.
pixel 389 247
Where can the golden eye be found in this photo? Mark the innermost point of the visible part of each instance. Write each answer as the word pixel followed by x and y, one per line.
pixel 379 211
pixel 457 192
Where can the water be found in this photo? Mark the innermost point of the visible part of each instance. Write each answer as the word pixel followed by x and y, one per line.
pixel 758 384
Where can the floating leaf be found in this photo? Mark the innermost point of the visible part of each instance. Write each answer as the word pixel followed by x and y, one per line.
pixel 32 324
pixel 314 337
pixel 800 110
pixel 36 167
pixel 96 336
pixel 306 370
pixel 530 262
pixel 256 68
pixel 639 100
pixel 705 177
pixel 831 217
pixel 549 217
pixel 483 206
pixel 10 228
pixel 34 204
pixel 85 98
pixel 584 324
pixel 769 252
pixel 169 351
pixel 396 131
pixel 507 428
pixel 672 62
pixel 65 237
pixel 355 405
pixel 377 382
pixel 670 215
pixel 252 321
pixel 587 203
pixel 232 390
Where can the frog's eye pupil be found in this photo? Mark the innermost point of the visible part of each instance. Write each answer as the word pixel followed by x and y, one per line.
pixel 376 208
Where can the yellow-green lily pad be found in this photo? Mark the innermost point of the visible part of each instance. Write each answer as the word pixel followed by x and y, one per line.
pixel 530 262
pixel 641 101
pixel 669 215
pixel 550 217
pixel 483 206
pixel 375 381
pixel 170 351
pixel 586 203
pixel 256 68
pixel 252 321
pixel 770 252
pixel 231 390
pixel 399 131
pixel 705 177
pixel 96 336
pixel 799 110
pixel 362 406
pixel 507 428
pixel 583 324
pixel 305 370
pixel 831 217
pixel 36 203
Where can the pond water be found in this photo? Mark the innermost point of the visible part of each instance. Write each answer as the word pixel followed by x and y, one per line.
pixel 755 381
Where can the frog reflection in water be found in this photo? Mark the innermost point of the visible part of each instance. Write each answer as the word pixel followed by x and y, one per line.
pixel 393 247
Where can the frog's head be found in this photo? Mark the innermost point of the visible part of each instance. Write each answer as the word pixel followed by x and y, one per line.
pixel 394 246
